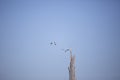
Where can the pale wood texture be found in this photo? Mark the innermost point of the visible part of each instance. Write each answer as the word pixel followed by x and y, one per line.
pixel 71 67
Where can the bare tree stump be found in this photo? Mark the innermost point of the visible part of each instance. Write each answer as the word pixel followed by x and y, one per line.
pixel 71 67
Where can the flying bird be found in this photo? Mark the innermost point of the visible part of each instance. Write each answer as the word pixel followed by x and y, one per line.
pixel 54 43
pixel 51 43
pixel 65 50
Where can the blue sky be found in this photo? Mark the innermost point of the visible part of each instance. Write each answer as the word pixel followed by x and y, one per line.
pixel 90 28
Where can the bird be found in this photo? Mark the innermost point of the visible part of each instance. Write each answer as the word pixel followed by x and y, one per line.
pixel 51 43
pixel 54 43
pixel 65 50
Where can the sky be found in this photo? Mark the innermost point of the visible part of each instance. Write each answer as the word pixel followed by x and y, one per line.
pixel 90 28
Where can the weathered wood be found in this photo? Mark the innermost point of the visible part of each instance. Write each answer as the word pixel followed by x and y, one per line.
pixel 71 67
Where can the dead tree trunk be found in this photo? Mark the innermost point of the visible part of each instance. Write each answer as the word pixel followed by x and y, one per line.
pixel 71 67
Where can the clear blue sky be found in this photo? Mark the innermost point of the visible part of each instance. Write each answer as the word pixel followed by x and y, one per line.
pixel 90 28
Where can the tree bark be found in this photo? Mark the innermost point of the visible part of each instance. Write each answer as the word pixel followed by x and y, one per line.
pixel 71 67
